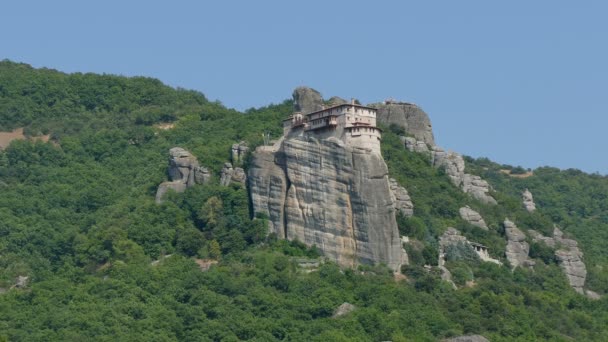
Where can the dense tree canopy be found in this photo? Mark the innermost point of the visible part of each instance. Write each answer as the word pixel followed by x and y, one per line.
pixel 77 216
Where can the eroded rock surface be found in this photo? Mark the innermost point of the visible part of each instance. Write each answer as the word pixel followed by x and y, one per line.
pixel 307 100
pixel 473 217
pixel 569 257
pixel 402 199
pixel 335 101
pixel 232 175
pixel 238 152
pixel 184 171
pixel 344 309
pixel 517 248
pixel 413 145
pixel 325 193
pixel 453 164
pixel 528 201
pixel 408 116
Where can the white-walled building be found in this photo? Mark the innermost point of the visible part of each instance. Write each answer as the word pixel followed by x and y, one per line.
pixel 352 123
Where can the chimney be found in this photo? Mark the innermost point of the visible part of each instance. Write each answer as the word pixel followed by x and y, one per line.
pixel 352 100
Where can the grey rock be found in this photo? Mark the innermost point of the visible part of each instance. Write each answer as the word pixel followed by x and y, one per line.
pixel 569 257
pixel 528 201
pixel 517 248
pixel 472 217
pixel 238 152
pixel 401 198
pixel 478 188
pixel 335 101
pixel 408 116
pixel 165 187
pixel 184 171
pixel 469 338
pixel 232 175
pixel 344 309
pixel 307 100
pixel 326 193
pixel 413 145
pixel 592 295
pixel 21 282
pixel 453 165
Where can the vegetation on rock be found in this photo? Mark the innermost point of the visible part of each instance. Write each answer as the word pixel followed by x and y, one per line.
pixel 77 216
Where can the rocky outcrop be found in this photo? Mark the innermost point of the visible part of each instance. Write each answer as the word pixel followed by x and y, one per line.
pixel 569 257
pixel 517 248
pixel 184 171
pixel 238 152
pixel 231 175
pixel 335 101
pixel 21 282
pixel 469 338
pixel 528 201
pixel 401 198
pixel 344 309
pixel 473 217
pixel 453 165
pixel 307 100
pixel 408 116
pixel 413 145
pixel 326 193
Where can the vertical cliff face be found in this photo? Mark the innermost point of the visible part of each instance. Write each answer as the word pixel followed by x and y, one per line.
pixel 325 193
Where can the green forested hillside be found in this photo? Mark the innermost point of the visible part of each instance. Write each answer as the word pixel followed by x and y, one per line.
pixel 77 216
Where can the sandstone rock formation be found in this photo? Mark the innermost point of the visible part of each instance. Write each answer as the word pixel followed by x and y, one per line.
pixel 528 201
pixel 569 257
pixel 184 171
pixel 453 164
pixel 238 152
pixel 229 175
pixel 326 193
pixel 335 100
pixel 410 117
pixel 344 309
pixel 307 100
pixel 517 248
pixel 472 217
pixel 414 145
pixel 401 198
pixel 21 282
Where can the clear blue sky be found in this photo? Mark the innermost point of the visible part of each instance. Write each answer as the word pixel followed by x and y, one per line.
pixel 521 82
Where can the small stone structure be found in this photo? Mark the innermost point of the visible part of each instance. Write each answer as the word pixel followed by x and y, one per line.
pixel 453 237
